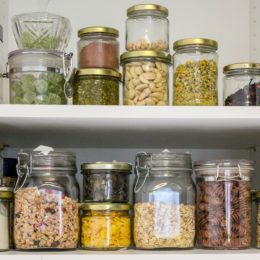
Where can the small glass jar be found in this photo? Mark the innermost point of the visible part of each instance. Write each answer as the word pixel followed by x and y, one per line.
pixel 147 28
pixel 105 226
pixel 98 47
pixel 195 72
pixel 96 87
pixel 164 209
pixel 224 203
pixel 106 181
pixel 46 201
pixel 146 78
pixel 257 199
pixel 242 84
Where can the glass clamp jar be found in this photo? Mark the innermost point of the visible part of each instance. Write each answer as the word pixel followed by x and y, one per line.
pixel 105 226
pixel 257 200
pixel 242 84
pixel 147 28
pixel 106 181
pixel 164 209
pixel 224 203
pixel 146 78
pixel 195 72
pixel 46 201
pixel 98 47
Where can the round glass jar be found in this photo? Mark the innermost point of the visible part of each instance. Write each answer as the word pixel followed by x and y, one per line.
pixel 195 72
pixel 98 47
pixel 46 201
pixel 242 84
pixel 224 203
pixel 146 78
pixel 147 28
pixel 257 199
pixel 96 87
pixel 106 181
pixel 105 226
pixel 164 209
pixel 37 76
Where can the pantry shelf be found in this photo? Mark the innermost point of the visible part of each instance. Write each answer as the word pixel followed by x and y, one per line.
pixel 130 127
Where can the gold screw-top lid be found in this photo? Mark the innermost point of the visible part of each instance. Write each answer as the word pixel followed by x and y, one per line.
pixel 99 72
pixel 98 29
pixel 105 206
pixel 6 193
pixel 257 194
pixel 195 41
pixel 241 66
pixel 107 166
pixel 144 7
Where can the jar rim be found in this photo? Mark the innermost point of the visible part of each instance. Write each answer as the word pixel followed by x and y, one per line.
pixel 240 67
pixel 145 7
pixel 114 165
pixel 195 42
pixel 98 72
pixel 56 53
pixel 223 163
pixel 6 192
pixel 104 206
pixel 98 29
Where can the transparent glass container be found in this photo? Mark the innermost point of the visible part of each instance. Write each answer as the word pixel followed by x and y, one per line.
pixel 164 208
pixel 242 84
pixel 46 201
pixel 195 72
pixel 145 78
pixel 257 199
pixel 224 203
pixel 147 28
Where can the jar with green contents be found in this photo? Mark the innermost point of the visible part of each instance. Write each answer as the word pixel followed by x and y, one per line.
pixel 96 87
pixel 195 72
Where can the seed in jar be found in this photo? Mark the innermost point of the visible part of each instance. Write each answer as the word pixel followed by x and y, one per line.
pixel 144 44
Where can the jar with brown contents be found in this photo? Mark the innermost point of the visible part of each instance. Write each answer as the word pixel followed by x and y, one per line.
pixel 257 199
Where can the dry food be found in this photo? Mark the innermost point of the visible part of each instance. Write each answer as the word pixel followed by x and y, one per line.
pixel 45 218
pixel 143 44
pixel 258 227
pixel 105 230
pixel 161 225
pixel 224 214
pixel 195 83
pixel 146 83
pixel 4 225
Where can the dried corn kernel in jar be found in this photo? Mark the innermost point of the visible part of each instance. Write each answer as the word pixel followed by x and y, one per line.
pixel 105 226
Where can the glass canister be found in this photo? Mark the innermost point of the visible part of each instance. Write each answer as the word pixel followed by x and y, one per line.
pixel 37 76
pixel 96 87
pixel 257 199
pixel 147 28
pixel 164 209
pixel 224 203
pixel 46 201
pixel 106 181
pixel 105 226
pixel 195 72
pixel 242 84
pixel 98 47
pixel 146 78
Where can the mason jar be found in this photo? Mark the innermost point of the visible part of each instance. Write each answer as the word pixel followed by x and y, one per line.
pixel 146 78
pixel 195 72
pixel 147 28
pixel 257 200
pixel 164 209
pixel 46 201
pixel 224 203
pixel 242 84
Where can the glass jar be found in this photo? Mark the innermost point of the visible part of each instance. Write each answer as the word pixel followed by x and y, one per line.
pixel 242 84
pixel 98 47
pixel 46 201
pixel 164 209
pixel 105 226
pixel 147 28
pixel 96 87
pixel 106 181
pixel 257 199
pixel 195 72
pixel 37 76
pixel 224 203
pixel 146 78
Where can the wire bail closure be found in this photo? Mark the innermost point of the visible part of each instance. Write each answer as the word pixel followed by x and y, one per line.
pixel 238 175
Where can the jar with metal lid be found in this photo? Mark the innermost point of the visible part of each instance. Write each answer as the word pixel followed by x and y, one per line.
pixel 164 209
pixel 37 76
pixel 105 226
pixel 106 181
pixel 147 28
pixel 224 203
pixel 257 200
pixel 96 87
pixel 98 47
pixel 195 72
pixel 242 84
pixel 46 201
pixel 146 78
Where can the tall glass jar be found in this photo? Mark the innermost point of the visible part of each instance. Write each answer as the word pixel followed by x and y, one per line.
pixel 147 28
pixel 195 72
pixel 46 201
pixel 224 203
pixel 146 78
pixel 164 209
pixel 242 84
pixel 257 199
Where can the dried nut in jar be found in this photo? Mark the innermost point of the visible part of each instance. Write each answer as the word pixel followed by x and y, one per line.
pixel 144 44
